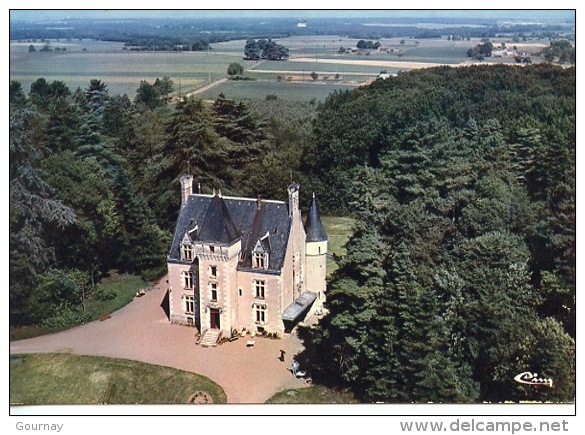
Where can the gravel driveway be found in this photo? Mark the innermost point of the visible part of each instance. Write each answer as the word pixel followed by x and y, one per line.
pixel 141 331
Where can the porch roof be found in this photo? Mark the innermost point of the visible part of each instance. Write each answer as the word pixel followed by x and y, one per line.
pixel 300 306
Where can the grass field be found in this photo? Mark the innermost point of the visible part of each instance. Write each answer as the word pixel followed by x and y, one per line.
pixel 294 91
pixel 338 229
pixel 52 379
pixel 313 395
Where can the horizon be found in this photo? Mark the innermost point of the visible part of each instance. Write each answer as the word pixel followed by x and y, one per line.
pixel 297 14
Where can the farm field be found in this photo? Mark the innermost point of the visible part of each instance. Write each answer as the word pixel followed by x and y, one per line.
pixel 293 91
pixel 123 70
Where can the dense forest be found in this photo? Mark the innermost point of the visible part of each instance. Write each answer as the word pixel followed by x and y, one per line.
pixel 459 275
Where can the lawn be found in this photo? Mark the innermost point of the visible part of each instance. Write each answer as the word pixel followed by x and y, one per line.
pixel 313 395
pixel 121 287
pixel 338 228
pixel 55 379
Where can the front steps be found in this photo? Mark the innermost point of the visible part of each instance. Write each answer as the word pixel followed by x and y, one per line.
pixel 210 338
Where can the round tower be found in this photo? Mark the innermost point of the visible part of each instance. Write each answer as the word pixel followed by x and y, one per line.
pixel 316 253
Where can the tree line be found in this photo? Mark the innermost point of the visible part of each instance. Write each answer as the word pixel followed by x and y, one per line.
pixel 460 273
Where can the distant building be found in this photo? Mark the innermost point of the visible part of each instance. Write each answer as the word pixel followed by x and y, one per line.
pixel 238 263
pixel 301 24
pixel 503 52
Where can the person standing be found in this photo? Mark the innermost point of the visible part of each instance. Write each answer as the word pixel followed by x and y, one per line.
pixel 295 367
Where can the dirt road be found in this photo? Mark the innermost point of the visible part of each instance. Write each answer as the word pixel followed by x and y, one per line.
pixel 141 331
pixel 382 63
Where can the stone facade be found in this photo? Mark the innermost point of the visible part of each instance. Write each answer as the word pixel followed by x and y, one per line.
pixel 239 263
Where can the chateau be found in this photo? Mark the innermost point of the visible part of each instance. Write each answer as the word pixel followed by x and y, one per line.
pixel 243 263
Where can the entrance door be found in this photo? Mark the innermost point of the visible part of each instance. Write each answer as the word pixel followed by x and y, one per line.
pixel 214 318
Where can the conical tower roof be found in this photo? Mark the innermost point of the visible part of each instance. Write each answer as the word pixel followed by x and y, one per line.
pixel 313 227
pixel 217 226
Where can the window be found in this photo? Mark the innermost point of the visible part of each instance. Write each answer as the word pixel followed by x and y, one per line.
pixel 212 249
pixel 213 271
pixel 187 252
pixel 187 279
pixel 260 313
pixel 260 288
pixel 213 286
pixel 259 260
pixel 189 304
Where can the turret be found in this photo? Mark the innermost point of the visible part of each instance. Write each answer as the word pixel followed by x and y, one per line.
pixel 316 252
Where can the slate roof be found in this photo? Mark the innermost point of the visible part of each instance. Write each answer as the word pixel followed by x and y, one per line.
pixel 221 221
pixel 217 226
pixel 313 226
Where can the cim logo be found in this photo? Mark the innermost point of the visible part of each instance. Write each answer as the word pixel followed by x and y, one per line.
pixel 533 379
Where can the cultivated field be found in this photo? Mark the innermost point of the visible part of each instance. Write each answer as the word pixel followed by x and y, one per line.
pixel 123 71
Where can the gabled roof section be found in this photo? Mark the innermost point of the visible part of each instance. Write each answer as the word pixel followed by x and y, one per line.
pixel 186 239
pixel 313 227
pixel 217 225
pixel 263 244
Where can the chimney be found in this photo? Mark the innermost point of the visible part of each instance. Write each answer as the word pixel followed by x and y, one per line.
pixel 258 203
pixel 293 198
pixel 186 188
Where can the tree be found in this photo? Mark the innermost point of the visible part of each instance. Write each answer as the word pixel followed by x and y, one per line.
pixel 16 94
pixel 314 75
pixel 235 69
pixel 148 96
pixel 252 51
pixel 31 49
pixel 164 87
pixel 34 213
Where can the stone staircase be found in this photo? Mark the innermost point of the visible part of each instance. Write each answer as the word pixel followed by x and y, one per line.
pixel 210 338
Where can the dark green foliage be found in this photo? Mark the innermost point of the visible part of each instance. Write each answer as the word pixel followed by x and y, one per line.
pixel 481 51
pixel 265 49
pixel 462 262
pixel 74 211
pixel 235 69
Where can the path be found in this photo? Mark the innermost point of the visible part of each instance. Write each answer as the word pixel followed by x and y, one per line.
pixel 207 87
pixel 141 331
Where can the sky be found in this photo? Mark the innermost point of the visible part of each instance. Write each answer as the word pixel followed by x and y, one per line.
pixel 535 15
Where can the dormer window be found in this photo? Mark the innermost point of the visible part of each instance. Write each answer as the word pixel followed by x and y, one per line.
pixel 187 252
pixel 186 248
pixel 261 252
pixel 259 260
